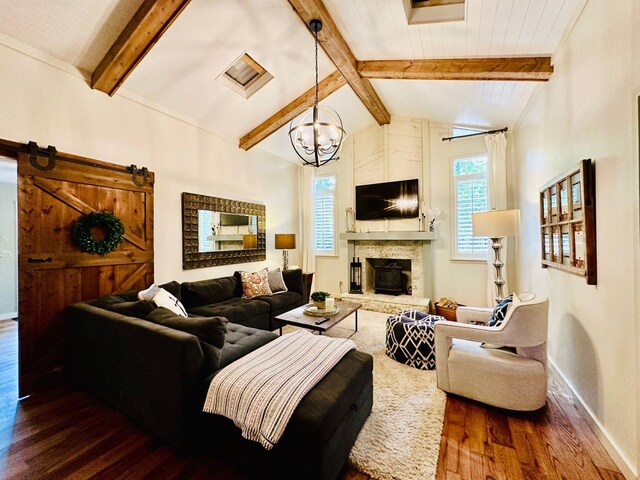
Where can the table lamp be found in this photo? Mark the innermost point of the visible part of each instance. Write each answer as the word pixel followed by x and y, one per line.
pixel 285 242
pixel 250 241
pixel 496 224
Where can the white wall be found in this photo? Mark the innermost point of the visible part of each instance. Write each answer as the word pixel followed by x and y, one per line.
pixel 52 105
pixel 406 148
pixel 588 110
pixel 8 250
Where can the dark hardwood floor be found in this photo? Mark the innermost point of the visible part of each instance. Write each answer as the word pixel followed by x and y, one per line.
pixel 68 433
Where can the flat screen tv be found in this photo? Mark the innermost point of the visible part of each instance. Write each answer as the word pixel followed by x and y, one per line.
pixel 387 200
pixel 227 219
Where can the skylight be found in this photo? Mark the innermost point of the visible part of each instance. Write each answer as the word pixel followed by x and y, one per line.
pixel 434 11
pixel 245 76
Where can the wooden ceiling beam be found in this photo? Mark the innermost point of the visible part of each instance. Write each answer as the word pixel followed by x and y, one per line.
pixel 325 88
pixel 141 33
pixel 536 69
pixel 340 54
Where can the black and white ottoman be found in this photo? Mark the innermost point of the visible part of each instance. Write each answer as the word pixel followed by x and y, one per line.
pixel 410 338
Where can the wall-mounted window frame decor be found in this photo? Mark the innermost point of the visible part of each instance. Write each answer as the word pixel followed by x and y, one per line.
pixel 568 222
pixel 193 258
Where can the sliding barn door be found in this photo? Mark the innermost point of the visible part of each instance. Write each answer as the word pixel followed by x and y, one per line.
pixel 53 271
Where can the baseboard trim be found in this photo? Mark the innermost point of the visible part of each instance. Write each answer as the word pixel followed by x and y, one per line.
pixel 597 428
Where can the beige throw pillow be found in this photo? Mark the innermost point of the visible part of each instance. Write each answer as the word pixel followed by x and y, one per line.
pixel 255 284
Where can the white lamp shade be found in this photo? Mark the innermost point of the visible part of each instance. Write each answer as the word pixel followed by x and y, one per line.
pixel 496 223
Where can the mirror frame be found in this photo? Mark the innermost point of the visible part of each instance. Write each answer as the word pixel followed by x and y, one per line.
pixel 192 258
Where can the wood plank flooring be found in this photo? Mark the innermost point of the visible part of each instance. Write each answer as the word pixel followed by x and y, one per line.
pixel 69 433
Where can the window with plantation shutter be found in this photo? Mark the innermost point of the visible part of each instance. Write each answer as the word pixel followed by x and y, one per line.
pixel 325 214
pixel 470 195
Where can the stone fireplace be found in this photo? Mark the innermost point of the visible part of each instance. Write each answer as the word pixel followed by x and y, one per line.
pixel 407 254
pixel 411 251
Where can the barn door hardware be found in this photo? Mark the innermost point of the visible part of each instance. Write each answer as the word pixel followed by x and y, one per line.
pixel 50 153
pixel 139 172
pixel 39 260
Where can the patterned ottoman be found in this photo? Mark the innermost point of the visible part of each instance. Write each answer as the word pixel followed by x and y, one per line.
pixel 410 339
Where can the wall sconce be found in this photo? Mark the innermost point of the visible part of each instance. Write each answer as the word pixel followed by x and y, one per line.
pixel 285 242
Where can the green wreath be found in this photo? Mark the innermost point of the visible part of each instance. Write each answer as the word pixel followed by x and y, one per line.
pixel 88 243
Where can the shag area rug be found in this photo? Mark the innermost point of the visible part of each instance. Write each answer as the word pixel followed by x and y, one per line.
pixel 401 438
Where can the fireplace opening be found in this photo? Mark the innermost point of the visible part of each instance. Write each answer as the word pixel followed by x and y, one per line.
pixel 391 276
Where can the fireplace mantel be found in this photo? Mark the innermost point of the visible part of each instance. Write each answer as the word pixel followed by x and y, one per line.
pixel 390 236
pixel 356 242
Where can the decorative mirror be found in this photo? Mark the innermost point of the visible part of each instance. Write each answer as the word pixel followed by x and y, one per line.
pixel 218 231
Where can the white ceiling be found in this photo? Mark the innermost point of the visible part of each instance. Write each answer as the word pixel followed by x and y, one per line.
pixel 180 71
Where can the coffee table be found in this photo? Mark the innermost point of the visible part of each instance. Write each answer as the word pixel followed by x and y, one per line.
pixel 297 318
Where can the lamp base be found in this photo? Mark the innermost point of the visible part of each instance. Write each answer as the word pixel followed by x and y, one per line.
pixel 498 264
pixel 285 260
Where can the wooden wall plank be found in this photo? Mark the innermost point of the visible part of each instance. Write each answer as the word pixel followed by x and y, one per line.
pixel 69 171
pixel 79 259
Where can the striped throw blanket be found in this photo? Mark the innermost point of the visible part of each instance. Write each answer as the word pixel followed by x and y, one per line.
pixel 260 391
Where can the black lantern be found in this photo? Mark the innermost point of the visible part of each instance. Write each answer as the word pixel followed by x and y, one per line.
pixel 356 276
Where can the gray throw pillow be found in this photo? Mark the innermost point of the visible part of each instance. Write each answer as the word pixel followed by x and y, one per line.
pixel 211 332
pixel 276 282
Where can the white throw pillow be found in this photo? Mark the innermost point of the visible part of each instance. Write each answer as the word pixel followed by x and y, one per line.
pixel 149 293
pixel 162 298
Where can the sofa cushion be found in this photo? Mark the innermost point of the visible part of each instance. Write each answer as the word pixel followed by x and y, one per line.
pixel 138 309
pixel 241 340
pixel 210 331
pixel 237 310
pixel 282 302
pixel 173 288
pixel 205 292
pixel 294 280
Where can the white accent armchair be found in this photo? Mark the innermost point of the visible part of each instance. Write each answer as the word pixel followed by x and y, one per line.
pixel 514 377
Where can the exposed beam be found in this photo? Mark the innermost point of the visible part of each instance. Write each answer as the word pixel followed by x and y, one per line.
pixel 325 88
pixel 141 33
pixel 537 69
pixel 340 54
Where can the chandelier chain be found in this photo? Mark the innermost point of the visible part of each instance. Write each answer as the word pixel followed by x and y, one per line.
pixel 315 30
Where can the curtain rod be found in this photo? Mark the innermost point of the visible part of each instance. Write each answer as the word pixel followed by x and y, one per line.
pixel 476 134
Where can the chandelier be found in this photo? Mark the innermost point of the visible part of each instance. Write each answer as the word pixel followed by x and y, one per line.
pixel 318 135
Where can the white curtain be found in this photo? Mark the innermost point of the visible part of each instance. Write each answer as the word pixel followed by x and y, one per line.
pixel 307 216
pixel 497 170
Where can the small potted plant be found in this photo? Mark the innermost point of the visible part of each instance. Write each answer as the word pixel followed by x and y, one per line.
pixel 319 298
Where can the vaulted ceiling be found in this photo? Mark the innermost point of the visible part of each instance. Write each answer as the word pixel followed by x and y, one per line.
pixel 180 72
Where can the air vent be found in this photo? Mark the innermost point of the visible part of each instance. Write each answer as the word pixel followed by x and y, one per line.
pixel 245 76
pixel 434 11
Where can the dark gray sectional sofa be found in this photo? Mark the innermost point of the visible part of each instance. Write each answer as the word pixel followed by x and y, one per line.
pixel 223 297
pixel 157 367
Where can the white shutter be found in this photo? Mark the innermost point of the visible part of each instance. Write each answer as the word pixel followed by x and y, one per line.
pixel 325 222
pixel 470 196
